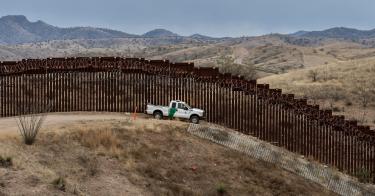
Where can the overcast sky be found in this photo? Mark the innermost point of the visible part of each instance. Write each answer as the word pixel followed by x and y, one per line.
pixel 209 17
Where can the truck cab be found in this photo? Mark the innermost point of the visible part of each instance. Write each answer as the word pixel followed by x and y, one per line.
pixel 180 109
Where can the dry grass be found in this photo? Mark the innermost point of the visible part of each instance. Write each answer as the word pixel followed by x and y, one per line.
pixel 153 158
pixel 343 87
pixel 102 139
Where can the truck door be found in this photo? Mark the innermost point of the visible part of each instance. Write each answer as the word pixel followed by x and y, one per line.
pixel 181 111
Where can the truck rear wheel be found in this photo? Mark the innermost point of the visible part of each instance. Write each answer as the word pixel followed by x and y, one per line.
pixel 194 119
pixel 158 115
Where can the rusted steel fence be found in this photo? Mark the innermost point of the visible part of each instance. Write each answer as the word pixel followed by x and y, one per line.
pixel 128 84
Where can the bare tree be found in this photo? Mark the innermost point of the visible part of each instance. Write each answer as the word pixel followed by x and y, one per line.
pixel 364 95
pixel 30 121
pixel 313 74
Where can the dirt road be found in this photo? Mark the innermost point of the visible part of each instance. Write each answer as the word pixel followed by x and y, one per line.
pixel 8 126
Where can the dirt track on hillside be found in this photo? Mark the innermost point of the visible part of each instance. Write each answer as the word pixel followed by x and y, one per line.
pixel 8 126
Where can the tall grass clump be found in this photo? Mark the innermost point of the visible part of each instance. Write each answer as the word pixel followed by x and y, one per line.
pixel 103 139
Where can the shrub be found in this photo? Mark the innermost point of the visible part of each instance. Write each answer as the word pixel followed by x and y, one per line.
pixel 220 189
pixel 313 74
pixel 363 175
pixel 90 163
pixel 348 103
pixel 5 162
pixel 336 109
pixel 59 183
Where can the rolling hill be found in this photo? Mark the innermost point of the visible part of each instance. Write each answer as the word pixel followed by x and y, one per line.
pixel 160 33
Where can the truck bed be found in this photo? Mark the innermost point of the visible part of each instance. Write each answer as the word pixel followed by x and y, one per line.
pixel 151 108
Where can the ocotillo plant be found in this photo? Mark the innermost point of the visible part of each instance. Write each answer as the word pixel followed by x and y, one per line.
pixel 31 121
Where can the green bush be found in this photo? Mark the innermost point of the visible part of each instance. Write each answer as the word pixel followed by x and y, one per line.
pixel 59 183
pixel 363 175
pixel 221 189
pixel 5 162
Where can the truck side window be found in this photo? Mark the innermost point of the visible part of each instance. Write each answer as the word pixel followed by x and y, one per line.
pixel 174 105
pixel 180 106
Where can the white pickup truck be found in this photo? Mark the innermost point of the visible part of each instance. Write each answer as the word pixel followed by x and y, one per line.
pixel 182 110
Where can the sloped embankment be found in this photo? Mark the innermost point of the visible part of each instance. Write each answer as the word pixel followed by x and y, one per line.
pixel 142 157
pixel 327 177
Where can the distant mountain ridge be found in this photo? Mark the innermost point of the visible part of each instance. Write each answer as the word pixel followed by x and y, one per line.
pixel 338 33
pixel 17 29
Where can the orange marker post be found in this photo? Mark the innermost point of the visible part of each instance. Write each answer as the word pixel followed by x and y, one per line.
pixel 135 113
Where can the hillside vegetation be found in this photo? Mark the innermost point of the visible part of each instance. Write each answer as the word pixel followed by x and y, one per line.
pixel 142 157
pixel 346 87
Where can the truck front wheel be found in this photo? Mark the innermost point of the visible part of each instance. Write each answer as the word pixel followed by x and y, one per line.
pixel 194 119
pixel 158 115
